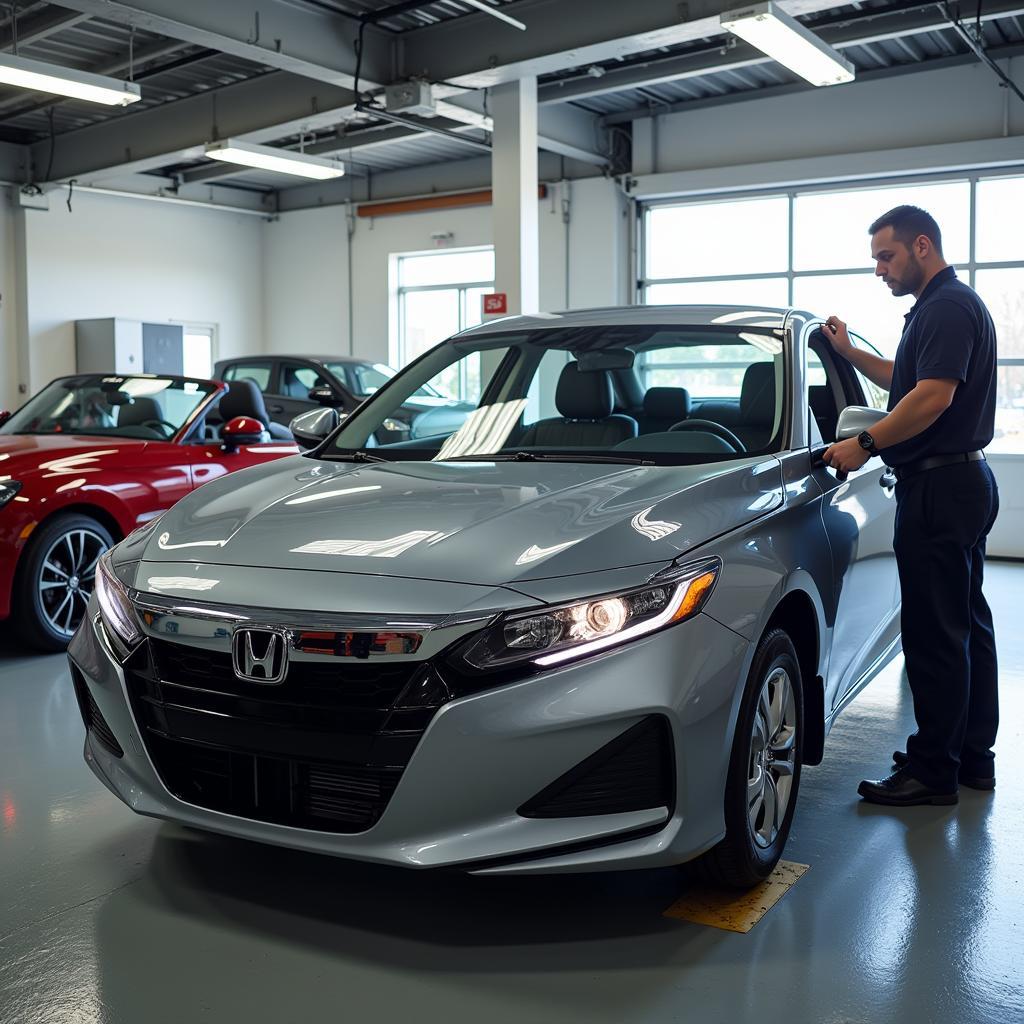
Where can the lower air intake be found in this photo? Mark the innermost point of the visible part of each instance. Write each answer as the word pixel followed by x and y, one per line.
pixel 94 720
pixel 633 772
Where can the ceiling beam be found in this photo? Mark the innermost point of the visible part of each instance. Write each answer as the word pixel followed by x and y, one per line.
pixel 862 29
pixel 308 40
pixel 472 52
pixel 35 30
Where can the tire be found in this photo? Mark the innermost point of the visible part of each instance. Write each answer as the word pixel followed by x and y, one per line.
pixel 759 802
pixel 62 551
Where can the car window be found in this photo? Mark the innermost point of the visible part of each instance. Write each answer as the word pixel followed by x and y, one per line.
pixel 259 372
pixel 296 379
pixel 877 398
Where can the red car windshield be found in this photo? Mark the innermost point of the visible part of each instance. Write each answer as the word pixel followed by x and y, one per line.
pixel 148 408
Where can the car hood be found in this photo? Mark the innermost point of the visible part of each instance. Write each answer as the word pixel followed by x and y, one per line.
pixel 484 523
pixel 25 453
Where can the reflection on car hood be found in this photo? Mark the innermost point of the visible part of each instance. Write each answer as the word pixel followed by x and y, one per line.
pixel 483 523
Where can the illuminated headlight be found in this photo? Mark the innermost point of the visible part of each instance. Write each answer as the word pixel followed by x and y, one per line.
pixel 115 604
pixel 575 630
pixel 8 489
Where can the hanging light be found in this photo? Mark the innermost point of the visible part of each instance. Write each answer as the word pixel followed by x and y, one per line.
pixel 80 85
pixel 793 45
pixel 270 158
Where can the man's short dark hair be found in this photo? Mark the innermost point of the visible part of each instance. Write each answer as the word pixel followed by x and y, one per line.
pixel 908 223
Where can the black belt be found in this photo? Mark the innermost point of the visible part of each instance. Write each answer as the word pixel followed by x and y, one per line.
pixel 934 462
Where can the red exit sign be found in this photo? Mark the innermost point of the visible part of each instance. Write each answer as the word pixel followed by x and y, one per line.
pixel 497 302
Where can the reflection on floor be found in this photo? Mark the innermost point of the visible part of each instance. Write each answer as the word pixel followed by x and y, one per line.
pixel 909 915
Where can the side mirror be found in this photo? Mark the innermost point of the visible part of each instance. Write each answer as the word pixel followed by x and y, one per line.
pixel 240 431
pixel 856 418
pixel 312 427
pixel 5 415
pixel 323 395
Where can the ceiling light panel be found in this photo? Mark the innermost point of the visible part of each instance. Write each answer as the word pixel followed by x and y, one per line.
pixel 793 45
pixel 80 85
pixel 270 158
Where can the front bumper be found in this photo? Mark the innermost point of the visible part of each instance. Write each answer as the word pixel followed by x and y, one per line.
pixel 483 756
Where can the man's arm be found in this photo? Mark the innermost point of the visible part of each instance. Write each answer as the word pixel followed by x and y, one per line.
pixel 875 368
pixel 915 413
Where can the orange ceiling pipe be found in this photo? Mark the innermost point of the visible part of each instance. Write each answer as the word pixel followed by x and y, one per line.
pixel 483 197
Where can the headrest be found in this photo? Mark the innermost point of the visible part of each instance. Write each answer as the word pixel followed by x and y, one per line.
pixel 757 396
pixel 667 403
pixel 244 398
pixel 140 411
pixel 584 396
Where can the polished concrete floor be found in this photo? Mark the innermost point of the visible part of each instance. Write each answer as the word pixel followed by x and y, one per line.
pixel 913 916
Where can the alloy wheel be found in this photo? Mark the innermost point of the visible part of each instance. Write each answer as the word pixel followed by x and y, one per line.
pixel 772 758
pixel 67 577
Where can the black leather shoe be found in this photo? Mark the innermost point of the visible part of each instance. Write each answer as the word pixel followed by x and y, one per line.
pixel 901 789
pixel 985 783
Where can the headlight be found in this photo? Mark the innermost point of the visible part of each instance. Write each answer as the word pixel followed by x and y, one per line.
pixel 575 630
pixel 115 605
pixel 8 489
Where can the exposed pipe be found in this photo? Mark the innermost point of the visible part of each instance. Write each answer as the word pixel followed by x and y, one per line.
pixel 200 203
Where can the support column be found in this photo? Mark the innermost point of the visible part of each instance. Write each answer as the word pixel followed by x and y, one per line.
pixel 514 181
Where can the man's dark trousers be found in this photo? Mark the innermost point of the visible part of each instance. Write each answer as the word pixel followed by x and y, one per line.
pixel 943 517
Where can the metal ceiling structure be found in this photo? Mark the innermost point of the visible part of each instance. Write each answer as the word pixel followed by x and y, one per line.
pixel 290 73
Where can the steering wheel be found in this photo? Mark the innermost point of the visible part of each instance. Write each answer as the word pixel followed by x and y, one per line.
pixel 153 424
pixel 711 427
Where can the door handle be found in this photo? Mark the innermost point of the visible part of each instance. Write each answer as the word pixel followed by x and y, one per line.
pixel 887 479
pixel 275 408
pixel 818 462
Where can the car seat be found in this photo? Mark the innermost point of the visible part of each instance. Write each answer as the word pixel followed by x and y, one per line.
pixel 244 398
pixel 664 408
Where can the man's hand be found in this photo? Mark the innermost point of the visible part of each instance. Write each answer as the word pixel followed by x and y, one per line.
pixel 846 456
pixel 838 336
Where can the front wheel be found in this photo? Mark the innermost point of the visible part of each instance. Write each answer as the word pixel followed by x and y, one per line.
pixel 56 579
pixel 764 770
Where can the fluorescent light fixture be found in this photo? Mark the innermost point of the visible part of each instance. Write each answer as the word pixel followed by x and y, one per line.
pixel 270 158
pixel 784 39
pixel 80 85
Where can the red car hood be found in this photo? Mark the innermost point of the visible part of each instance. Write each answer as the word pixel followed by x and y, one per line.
pixel 21 452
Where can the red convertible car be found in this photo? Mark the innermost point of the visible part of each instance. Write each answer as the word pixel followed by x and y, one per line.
pixel 90 458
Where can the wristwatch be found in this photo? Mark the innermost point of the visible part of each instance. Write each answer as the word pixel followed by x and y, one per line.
pixel 867 442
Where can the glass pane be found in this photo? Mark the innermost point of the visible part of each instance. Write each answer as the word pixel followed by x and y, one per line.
pixel 427 318
pixel 749 236
pixel 1000 219
pixel 1003 292
pixel 861 300
pixel 446 268
pixel 1009 435
pixel 198 355
pixel 475 306
pixel 258 372
pixel 830 229
pixel 771 291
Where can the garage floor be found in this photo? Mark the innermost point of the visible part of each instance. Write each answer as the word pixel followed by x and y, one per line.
pixel 912 915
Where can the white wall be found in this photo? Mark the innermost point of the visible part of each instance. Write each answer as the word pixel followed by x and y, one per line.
pixel 306 256
pixel 135 259
pixel 8 307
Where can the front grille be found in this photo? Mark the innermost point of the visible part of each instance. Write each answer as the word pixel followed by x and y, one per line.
pixel 633 772
pixel 94 720
pixel 324 749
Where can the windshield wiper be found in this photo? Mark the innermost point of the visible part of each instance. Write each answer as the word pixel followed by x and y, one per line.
pixel 355 456
pixel 549 457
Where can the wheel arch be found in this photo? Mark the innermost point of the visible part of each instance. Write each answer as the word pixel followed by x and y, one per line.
pixel 102 516
pixel 797 614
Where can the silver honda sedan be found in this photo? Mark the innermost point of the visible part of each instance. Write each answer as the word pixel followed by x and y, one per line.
pixel 596 612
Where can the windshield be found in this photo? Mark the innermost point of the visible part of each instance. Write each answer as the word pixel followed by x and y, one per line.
pixel 658 394
pixel 365 379
pixel 149 408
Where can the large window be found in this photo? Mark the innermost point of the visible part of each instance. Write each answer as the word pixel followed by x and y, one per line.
pixel 439 294
pixel 810 249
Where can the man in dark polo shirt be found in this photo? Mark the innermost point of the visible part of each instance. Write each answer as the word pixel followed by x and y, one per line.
pixel 942 387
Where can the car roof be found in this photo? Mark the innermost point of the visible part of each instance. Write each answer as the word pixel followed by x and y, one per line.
pixel 352 360
pixel 774 317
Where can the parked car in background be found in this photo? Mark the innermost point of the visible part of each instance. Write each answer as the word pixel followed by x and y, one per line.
pixel 586 630
pixel 91 458
pixel 292 385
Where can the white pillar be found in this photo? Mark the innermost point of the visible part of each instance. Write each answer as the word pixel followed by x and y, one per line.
pixel 514 181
